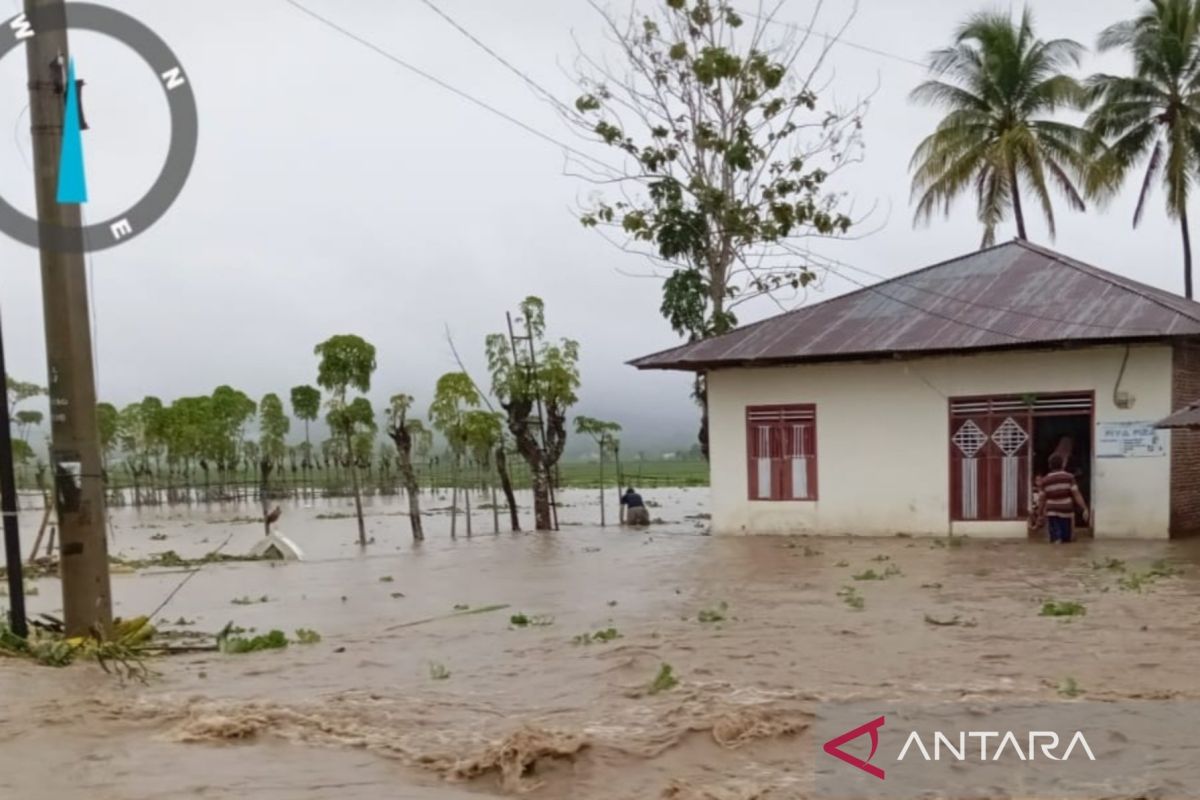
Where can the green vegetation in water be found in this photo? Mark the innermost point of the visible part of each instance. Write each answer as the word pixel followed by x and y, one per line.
pixel 881 558
pixel 438 672
pixel 249 601
pixel 1062 608
pixel 599 637
pixel 842 563
pixel 307 636
pixel 872 575
pixel 335 515
pixel 1067 687
pixel 387 579
pixel 951 622
pixel 122 655
pixel 158 537
pixel 852 598
pixel 462 607
pixel 230 644
pixel 664 681
pixel 1114 564
pixel 714 614
pixel 1142 580
pixel 931 586
pixel 523 620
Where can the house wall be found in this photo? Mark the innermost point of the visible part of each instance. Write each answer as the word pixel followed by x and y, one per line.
pixel 1185 444
pixel 883 439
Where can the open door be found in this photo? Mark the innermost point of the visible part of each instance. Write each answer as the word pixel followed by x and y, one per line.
pixel 1071 437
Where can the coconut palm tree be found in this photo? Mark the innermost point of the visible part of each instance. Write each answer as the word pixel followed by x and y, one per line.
pixel 999 83
pixel 1153 116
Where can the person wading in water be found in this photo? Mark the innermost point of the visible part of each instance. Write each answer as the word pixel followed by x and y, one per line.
pixel 633 510
pixel 1060 496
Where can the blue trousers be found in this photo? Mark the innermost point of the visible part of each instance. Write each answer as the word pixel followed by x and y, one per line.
pixel 1060 528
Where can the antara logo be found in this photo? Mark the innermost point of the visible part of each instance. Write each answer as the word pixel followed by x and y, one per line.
pixel 960 746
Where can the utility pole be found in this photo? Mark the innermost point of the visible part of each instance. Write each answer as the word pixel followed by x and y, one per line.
pixel 75 440
pixel 8 508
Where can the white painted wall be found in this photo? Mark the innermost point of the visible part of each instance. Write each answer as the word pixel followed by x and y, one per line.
pixel 882 440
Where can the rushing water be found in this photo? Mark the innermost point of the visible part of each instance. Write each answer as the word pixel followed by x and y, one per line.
pixel 360 714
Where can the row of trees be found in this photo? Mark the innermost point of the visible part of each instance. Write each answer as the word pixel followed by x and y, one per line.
pixel 210 439
pixel 1001 85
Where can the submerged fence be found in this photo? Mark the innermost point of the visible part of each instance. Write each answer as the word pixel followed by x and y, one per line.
pixel 151 486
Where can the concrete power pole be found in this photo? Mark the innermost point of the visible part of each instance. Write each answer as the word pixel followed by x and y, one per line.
pixel 75 445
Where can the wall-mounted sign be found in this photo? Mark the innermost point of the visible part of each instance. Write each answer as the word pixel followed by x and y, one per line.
pixel 1128 440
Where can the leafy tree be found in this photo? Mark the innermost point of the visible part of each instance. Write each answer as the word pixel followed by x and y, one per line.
pixel 20 391
pixel 347 362
pixel 26 420
pixel 231 411
pixel 604 434
pixel 107 423
pixel 408 434
pixel 543 380
pixel 454 396
pixel 273 426
pixel 483 432
pixel 725 157
pixel 22 452
pixel 306 405
pixel 1153 116
pixel 996 81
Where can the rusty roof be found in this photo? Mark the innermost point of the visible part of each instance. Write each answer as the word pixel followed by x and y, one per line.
pixel 1187 417
pixel 1013 295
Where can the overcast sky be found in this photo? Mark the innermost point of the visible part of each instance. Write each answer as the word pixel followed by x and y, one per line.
pixel 334 192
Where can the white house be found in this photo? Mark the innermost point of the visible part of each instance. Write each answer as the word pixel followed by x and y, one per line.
pixel 929 403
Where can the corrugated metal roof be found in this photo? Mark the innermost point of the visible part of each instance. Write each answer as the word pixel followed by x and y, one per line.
pixel 1009 296
pixel 1188 417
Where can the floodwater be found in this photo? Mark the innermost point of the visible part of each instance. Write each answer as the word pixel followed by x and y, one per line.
pixel 527 711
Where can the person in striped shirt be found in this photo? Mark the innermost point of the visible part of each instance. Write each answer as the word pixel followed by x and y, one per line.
pixel 1060 498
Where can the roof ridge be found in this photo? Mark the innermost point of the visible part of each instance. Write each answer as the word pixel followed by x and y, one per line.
pixel 860 290
pixel 1112 278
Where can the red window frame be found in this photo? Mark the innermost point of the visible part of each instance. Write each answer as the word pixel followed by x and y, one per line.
pixel 783 435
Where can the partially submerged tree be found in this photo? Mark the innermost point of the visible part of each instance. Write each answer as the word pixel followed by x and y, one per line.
pixel 107 424
pixel 347 362
pixel 540 381
pixel 454 396
pixel 483 432
pixel 408 435
pixel 273 427
pixel 306 405
pixel 604 434
pixel 725 154
pixel 232 410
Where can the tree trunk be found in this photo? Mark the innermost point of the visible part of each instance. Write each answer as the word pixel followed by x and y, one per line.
pixel 495 511
pixel 1018 214
pixel 263 495
pixel 467 496
pixel 541 499
pixel 506 485
pixel 603 522
pixel 403 440
pixel 701 393
pixel 352 465
pixel 1187 254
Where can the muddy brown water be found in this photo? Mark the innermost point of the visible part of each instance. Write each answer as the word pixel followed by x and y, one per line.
pixel 527 711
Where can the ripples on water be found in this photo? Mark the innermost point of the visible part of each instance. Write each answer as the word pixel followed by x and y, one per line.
pixel 526 710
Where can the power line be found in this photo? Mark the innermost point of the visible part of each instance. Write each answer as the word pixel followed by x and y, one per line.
pixel 447 86
pixel 838 40
pixel 482 46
